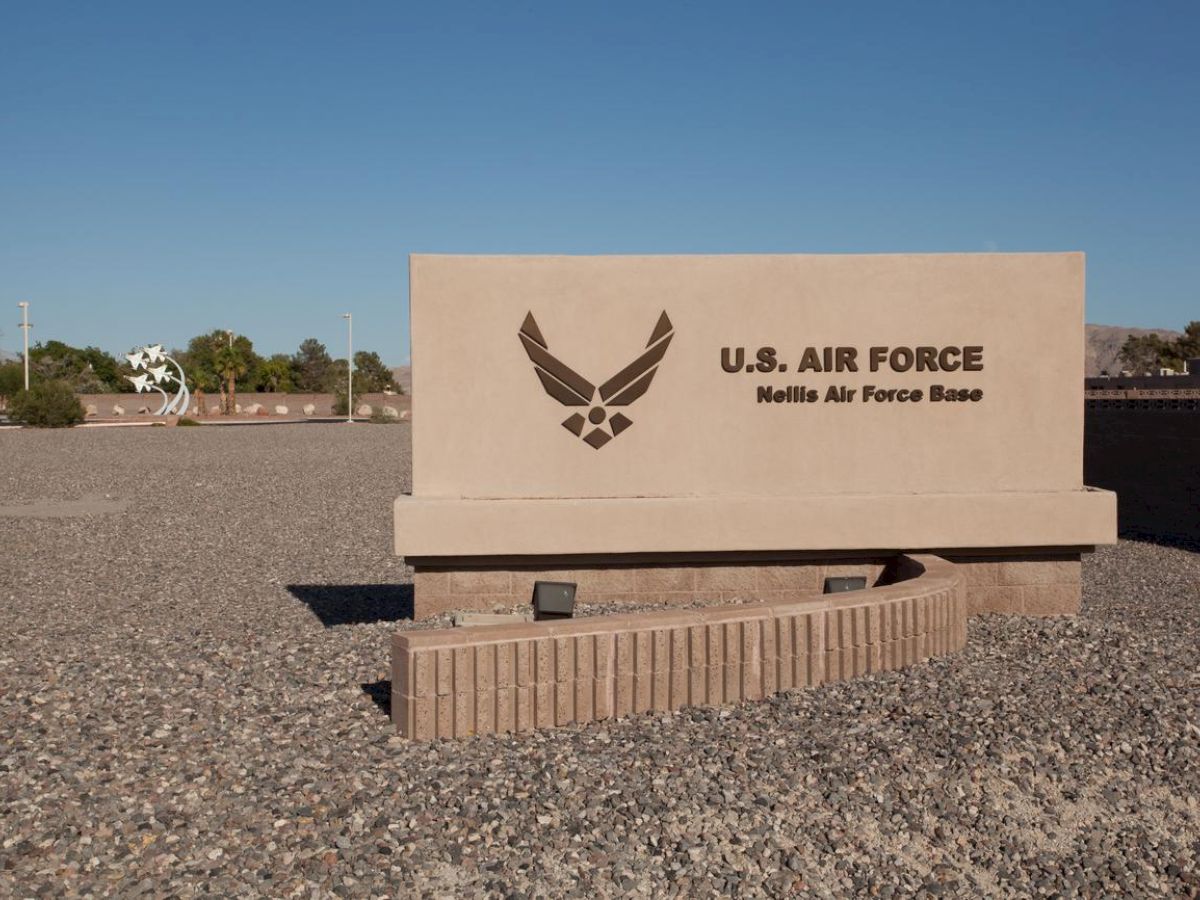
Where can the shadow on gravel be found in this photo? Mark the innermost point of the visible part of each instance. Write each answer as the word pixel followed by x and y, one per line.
pixel 380 693
pixel 356 604
pixel 1175 541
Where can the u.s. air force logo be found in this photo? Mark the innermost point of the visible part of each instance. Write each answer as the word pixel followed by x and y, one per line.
pixel 571 389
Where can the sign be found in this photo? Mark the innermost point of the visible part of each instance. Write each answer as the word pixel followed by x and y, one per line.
pixel 743 376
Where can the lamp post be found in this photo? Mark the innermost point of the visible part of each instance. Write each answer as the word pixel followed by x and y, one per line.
pixel 25 326
pixel 230 395
pixel 349 367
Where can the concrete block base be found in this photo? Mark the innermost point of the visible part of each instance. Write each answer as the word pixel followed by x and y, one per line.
pixel 1031 583
pixel 1026 582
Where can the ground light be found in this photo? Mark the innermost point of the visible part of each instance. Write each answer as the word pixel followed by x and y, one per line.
pixel 553 600
pixel 841 584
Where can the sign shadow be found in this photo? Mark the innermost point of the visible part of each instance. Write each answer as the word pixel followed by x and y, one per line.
pixel 355 604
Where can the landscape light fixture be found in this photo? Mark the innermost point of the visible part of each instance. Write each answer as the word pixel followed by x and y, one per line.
pixel 842 584
pixel 349 367
pixel 25 326
pixel 553 600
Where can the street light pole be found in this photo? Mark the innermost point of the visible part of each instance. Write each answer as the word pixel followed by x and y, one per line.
pixel 25 326
pixel 230 396
pixel 349 366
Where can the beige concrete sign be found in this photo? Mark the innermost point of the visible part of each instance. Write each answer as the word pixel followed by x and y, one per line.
pixel 718 403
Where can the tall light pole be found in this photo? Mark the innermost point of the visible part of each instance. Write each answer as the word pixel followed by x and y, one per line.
pixel 25 326
pixel 230 395
pixel 349 366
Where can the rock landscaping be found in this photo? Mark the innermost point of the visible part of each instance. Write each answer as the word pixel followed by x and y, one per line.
pixel 193 684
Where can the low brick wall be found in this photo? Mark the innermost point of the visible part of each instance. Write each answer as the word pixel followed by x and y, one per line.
pixel 295 403
pixel 463 681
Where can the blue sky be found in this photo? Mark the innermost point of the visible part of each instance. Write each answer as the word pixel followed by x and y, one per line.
pixel 168 168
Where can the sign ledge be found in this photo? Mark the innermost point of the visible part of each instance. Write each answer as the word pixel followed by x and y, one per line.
pixel 458 527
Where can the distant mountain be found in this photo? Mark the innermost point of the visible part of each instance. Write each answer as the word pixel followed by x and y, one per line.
pixel 1104 346
pixel 403 375
pixel 5 356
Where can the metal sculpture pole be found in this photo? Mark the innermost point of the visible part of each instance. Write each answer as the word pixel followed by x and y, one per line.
pixel 153 376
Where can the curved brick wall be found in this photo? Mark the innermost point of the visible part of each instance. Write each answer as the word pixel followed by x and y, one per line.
pixel 457 682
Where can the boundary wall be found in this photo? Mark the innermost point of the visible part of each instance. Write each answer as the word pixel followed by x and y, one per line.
pixel 458 682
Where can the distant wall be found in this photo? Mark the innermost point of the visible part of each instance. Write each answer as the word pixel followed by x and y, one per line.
pixel 1186 382
pixel 294 402
pixel 1151 458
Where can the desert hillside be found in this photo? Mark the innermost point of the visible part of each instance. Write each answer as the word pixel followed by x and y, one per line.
pixel 403 375
pixel 1104 343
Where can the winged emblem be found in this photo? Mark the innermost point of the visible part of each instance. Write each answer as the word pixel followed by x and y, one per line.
pixel 571 389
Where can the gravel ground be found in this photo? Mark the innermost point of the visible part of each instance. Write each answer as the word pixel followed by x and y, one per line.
pixel 193 662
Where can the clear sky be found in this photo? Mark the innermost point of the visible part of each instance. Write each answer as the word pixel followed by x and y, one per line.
pixel 167 168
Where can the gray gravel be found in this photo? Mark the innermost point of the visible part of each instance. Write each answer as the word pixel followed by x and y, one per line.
pixel 179 721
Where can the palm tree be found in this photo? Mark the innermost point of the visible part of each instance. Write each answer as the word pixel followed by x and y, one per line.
pixel 275 374
pixel 230 363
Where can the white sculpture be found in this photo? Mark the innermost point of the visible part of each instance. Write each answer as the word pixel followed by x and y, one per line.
pixel 151 378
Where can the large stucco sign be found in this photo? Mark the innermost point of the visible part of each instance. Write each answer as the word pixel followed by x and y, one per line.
pixel 631 406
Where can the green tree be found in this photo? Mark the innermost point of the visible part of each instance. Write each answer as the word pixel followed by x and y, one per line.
pixel 86 370
pixel 12 380
pixel 198 363
pixel 371 375
pixel 1148 353
pixel 231 363
pixel 312 367
pixel 1188 346
pixel 47 404
pixel 276 374
pixel 205 373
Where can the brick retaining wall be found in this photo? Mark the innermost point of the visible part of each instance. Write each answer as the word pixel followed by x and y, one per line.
pixel 478 680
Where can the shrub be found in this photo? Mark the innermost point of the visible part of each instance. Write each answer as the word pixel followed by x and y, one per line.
pixel 12 380
pixel 185 421
pixel 339 403
pixel 378 418
pixel 48 404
